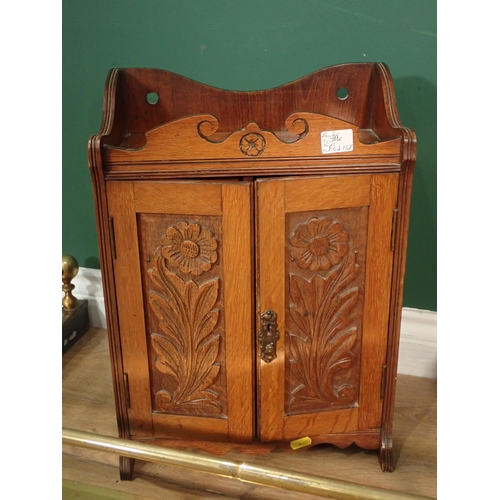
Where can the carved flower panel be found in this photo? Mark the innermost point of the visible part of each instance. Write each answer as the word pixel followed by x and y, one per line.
pixel 189 247
pixel 319 243
pixel 183 296
pixel 324 293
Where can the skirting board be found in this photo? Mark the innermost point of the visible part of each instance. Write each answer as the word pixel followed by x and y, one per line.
pixel 418 343
pixel 88 286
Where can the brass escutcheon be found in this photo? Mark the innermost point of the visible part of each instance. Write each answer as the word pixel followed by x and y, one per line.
pixel 268 335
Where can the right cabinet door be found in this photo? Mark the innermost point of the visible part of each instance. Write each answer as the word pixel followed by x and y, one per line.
pixel 324 267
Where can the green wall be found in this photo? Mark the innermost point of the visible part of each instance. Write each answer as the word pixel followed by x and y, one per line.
pixel 249 45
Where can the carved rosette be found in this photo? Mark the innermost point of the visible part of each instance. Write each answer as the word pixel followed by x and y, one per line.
pixel 190 248
pixel 188 344
pixel 252 144
pixel 322 334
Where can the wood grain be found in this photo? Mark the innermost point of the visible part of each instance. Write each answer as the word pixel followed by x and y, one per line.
pixel 162 170
pixel 178 198
pixel 238 307
pixel 183 139
pixel 189 427
pixel 385 121
pixel 106 253
pixel 377 297
pixel 180 97
pixel 315 424
pixel 323 193
pixel 270 293
pixel 131 308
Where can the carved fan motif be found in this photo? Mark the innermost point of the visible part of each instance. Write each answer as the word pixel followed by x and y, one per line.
pixel 322 335
pixel 187 348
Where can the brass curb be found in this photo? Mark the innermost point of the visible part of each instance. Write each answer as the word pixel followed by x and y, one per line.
pixel 260 475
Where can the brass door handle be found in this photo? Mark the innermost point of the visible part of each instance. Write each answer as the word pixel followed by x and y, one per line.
pixel 268 335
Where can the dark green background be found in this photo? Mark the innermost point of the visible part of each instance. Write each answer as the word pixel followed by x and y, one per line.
pixel 250 45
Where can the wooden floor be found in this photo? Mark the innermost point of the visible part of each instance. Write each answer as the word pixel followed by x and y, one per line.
pixel 88 405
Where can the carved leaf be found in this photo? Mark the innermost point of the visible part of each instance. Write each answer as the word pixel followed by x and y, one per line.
pixel 201 301
pixel 323 337
pixel 163 399
pixel 208 324
pixel 199 376
pixel 337 354
pixel 168 358
pixel 187 350
pixel 171 321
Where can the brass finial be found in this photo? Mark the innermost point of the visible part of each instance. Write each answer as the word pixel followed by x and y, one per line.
pixel 69 271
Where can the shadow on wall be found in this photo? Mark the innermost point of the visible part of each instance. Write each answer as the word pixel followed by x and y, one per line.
pixel 92 262
pixel 417 106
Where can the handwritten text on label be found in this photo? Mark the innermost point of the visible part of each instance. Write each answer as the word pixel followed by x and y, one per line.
pixel 336 141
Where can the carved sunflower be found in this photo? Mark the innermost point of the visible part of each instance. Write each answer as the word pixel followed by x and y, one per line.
pixel 318 244
pixel 189 247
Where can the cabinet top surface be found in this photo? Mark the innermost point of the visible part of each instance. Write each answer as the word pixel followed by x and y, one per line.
pixel 160 120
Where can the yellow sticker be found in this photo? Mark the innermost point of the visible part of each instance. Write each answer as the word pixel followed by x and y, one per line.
pixel 300 443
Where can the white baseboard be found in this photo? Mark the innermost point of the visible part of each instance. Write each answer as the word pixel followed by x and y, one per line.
pixel 88 286
pixel 418 343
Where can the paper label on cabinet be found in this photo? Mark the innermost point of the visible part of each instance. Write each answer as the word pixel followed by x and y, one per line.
pixel 336 141
pixel 300 443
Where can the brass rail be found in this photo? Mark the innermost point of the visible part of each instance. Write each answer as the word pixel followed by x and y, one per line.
pixel 266 476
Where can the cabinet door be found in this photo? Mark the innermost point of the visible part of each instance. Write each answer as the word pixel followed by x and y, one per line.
pixel 324 263
pixel 183 276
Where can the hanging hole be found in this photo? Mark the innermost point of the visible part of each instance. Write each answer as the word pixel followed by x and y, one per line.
pixel 152 98
pixel 342 93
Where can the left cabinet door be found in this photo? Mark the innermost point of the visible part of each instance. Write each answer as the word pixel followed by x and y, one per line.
pixel 184 294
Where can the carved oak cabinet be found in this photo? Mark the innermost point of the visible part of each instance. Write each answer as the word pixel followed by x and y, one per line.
pixel 253 249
